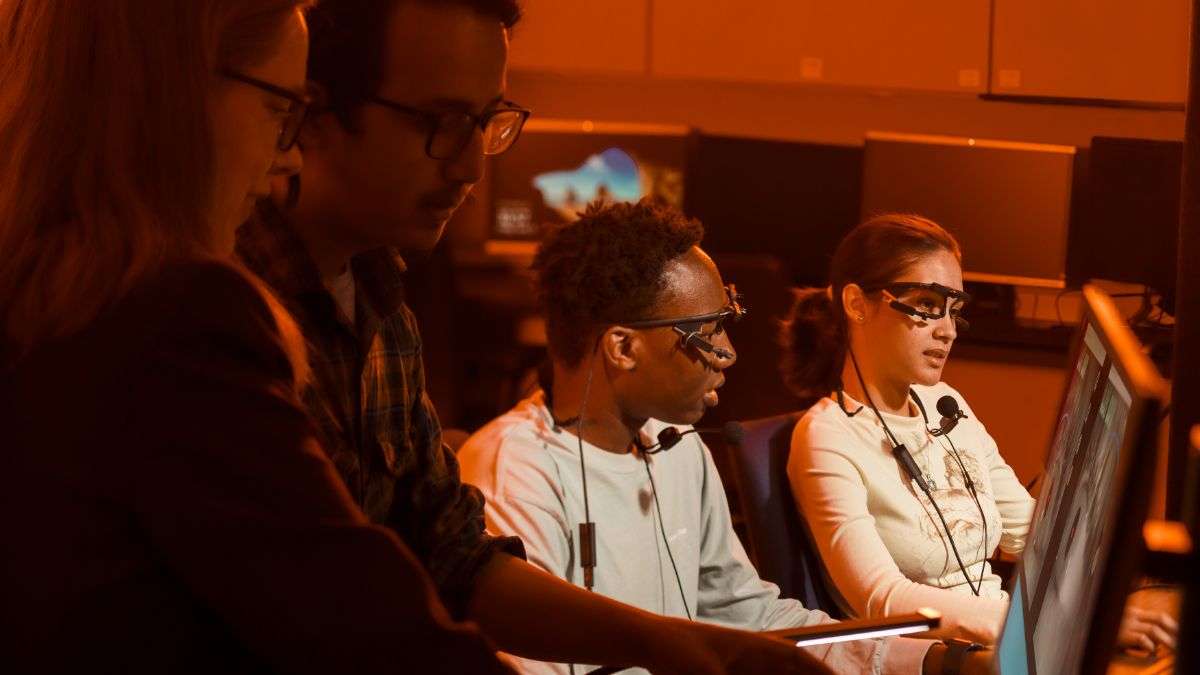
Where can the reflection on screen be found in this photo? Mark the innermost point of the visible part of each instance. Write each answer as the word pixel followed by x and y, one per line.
pixel 1057 584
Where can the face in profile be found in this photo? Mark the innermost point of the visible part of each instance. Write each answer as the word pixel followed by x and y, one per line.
pixel 247 122
pixel 438 58
pixel 909 349
pixel 673 382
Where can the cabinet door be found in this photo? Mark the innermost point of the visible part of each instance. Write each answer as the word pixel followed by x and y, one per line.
pixel 1092 49
pixel 929 45
pixel 938 45
pixel 751 41
pixel 581 36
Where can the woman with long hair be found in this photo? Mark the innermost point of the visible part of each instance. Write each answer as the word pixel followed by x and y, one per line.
pixel 914 526
pixel 164 504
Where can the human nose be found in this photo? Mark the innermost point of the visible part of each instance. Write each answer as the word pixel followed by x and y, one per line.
pixel 467 166
pixel 724 343
pixel 287 163
pixel 946 328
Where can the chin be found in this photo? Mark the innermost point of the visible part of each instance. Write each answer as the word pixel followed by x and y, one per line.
pixel 419 234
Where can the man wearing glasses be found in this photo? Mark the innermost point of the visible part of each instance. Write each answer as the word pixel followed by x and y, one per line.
pixel 600 473
pixel 407 97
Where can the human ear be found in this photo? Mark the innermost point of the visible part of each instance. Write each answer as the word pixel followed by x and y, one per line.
pixel 620 347
pixel 854 302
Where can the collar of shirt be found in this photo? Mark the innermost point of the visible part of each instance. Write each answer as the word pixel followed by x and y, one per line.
pixel 269 247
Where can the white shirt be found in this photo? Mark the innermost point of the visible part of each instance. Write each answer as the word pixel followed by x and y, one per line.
pixel 529 471
pixel 881 540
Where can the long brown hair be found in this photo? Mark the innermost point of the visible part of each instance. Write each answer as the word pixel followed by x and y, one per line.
pixel 106 161
pixel 814 335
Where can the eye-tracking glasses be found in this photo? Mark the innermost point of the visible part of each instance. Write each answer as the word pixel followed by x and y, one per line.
pixel 449 132
pixel 690 328
pixel 929 301
pixel 289 131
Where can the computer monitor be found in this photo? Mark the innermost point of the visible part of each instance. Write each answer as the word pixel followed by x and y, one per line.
pixel 1008 203
pixel 1129 228
pixel 1085 545
pixel 558 167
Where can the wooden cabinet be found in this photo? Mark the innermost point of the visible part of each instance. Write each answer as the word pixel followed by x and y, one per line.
pixel 927 45
pixel 1092 49
pixel 753 41
pixel 1112 50
pixel 936 45
pixel 581 36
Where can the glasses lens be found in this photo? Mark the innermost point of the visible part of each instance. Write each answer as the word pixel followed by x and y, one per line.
pixel 290 132
pixel 502 130
pixel 450 135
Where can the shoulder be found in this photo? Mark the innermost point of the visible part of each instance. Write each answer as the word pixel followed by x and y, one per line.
pixel 208 305
pixel 825 419
pixel 513 451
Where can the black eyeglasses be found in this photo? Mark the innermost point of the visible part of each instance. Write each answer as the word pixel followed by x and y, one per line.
pixel 929 301
pixel 449 132
pixel 289 131
pixel 689 327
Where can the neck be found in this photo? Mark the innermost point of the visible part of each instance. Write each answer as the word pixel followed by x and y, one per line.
pixel 887 397
pixel 316 225
pixel 604 425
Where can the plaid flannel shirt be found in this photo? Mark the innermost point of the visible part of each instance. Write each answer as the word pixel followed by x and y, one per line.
pixel 367 397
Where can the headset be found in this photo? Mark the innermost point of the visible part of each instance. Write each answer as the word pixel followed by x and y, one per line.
pixel 905 458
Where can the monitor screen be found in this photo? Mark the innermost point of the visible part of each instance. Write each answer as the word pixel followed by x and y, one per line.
pixel 1071 576
pixel 1008 203
pixel 558 167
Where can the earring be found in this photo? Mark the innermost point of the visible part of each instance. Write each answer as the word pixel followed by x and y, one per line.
pixel 861 318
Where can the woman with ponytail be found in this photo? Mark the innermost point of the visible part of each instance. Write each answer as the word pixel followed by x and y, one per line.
pixel 914 526
pixel 164 504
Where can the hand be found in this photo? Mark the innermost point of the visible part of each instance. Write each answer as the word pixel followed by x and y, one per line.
pixel 1147 629
pixel 697 648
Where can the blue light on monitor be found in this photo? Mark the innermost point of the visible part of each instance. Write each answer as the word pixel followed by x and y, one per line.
pixel 1011 656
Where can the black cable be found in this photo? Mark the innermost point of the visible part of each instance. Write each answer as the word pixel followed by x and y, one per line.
pixel 920 483
pixel 587 529
pixel 662 527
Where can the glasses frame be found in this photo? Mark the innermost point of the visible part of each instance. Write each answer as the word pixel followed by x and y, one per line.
pixel 688 327
pixel 435 122
pixel 289 131
pixel 950 295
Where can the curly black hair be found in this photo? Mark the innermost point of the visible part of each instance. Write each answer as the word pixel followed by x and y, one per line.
pixel 605 268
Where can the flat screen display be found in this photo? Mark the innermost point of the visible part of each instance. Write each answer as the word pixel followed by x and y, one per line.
pixel 1008 203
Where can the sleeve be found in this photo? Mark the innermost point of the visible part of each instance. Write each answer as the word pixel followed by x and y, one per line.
pixel 732 594
pixel 831 493
pixel 1012 499
pixel 523 499
pixel 518 479
pixel 434 511
pixel 230 486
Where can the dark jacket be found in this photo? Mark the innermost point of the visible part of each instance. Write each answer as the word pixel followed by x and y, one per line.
pixel 164 507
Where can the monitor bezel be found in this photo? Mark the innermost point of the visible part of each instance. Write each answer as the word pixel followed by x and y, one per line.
pixel 1132 479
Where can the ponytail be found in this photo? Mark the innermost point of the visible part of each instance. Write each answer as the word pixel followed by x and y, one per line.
pixel 813 337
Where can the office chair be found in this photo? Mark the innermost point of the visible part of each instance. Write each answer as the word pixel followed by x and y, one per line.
pixel 778 536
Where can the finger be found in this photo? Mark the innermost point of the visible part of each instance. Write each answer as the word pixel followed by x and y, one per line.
pixel 1162 636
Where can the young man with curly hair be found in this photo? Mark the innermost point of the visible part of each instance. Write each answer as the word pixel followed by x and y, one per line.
pixel 635 315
